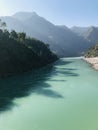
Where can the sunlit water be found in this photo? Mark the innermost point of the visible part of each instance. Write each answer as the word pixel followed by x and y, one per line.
pixel 60 97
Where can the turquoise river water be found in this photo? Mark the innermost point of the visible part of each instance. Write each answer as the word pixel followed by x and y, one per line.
pixel 62 96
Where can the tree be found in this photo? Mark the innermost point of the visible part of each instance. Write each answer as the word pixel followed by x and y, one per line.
pixel 1 33
pixel 21 37
pixel 6 34
pixel 13 35
pixel 2 25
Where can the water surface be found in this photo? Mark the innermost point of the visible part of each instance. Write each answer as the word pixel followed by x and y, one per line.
pixel 62 96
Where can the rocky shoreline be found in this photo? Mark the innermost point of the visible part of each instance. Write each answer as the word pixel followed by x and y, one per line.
pixel 93 61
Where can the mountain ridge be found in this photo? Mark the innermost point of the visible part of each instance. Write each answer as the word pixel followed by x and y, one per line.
pixel 89 33
pixel 62 40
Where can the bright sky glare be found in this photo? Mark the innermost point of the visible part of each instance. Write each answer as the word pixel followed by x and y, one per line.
pixel 60 12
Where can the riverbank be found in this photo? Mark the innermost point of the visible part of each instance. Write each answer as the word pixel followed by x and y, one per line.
pixel 93 61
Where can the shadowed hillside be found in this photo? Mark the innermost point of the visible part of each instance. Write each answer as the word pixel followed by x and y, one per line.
pixel 20 54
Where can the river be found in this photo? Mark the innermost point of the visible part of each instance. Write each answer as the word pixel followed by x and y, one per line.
pixel 62 96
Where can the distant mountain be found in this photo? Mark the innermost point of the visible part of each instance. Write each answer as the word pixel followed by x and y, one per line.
pixel 88 33
pixel 22 16
pixel 79 30
pixel 61 39
pixel 92 34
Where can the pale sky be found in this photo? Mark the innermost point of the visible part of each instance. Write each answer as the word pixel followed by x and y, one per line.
pixel 60 12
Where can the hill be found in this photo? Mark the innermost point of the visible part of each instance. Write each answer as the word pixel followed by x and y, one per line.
pixel 92 52
pixel 79 30
pixel 20 54
pixel 92 34
pixel 62 40
pixel 88 33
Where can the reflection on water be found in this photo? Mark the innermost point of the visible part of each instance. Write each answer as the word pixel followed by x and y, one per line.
pixel 61 96
pixel 22 85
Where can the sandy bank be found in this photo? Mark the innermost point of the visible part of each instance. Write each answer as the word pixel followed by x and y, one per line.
pixel 93 62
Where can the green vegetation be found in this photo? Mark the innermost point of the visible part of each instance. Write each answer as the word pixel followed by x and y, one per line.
pixel 2 25
pixel 92 52
pixel 18 53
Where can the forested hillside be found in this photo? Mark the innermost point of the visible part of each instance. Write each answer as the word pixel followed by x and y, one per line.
pixel 19 53
pixel 92 52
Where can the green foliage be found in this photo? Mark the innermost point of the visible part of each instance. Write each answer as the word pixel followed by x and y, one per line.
pixel 21 37
pixel 13 35
pixel 92 52
pixel 19 53
pixel 2 25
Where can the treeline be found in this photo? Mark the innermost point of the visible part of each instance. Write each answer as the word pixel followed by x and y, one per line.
pixel 19 53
